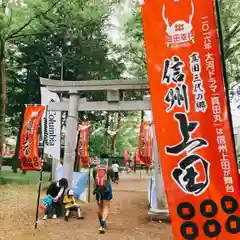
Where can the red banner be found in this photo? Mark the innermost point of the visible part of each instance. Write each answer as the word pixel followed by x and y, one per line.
pixel 148 144
pixel 192 119
pixel 29 139
pixel 83 144
pixel 126 156
pixel 145 144
pixel 138 157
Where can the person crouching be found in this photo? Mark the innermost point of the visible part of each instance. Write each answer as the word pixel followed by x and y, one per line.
pixel 56 191
pixel 71 205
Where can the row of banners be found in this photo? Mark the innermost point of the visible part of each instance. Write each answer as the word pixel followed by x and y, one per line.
pixel 51 130
pixel 29 140
pixel 191 118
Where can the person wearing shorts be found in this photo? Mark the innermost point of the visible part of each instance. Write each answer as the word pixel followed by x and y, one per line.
pixel 115 169
pixel 103 198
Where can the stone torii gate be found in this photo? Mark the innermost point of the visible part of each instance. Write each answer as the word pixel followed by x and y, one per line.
pixel 115 102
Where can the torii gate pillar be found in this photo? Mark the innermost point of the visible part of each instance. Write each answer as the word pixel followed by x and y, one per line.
pixel 70 141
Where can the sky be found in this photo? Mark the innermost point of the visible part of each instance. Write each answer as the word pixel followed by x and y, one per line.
pixel 117 19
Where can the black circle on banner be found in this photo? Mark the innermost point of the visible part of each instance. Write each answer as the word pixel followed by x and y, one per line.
pixel 208 208
pixel 212 228
pixel 229 204
pixel 189 230
pixel 36 164
pixel 187 207
pixel 30 162
pixel 24 161
pixel 233 224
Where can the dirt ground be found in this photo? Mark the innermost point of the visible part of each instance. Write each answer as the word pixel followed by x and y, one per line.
pixel 127 219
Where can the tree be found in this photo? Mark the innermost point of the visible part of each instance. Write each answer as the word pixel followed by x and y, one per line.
pixel 74 38
pixel 230 16
pixel 17 20
pixel 134 44
pixel 121 136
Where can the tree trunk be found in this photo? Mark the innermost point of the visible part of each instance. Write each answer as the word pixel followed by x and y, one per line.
pixel 16 163
pixel 3 97
pixel 106 134
pixel 142 116
pixel 113 148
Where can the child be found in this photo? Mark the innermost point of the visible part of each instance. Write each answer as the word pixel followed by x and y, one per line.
pixel 71 205
pixel 56 191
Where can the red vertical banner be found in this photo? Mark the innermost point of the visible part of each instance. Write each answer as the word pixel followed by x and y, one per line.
pixel 126 156
pixel 83 144
pixel 138 156
pixel 191 118
pixel 29 139
pixel 145 144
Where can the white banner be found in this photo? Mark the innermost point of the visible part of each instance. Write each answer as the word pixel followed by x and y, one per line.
pixel 52 144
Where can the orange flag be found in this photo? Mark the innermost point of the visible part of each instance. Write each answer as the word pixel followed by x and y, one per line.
pixel 29 139
pixel 192 119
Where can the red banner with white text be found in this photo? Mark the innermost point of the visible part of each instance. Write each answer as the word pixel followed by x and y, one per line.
pixel 29 139
pixel 83 144
pixel 191 118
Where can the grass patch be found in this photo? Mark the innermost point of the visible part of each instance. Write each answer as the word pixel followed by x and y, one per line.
pixel 31 177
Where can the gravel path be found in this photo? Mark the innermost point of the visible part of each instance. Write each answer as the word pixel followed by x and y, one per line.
pixel 127 218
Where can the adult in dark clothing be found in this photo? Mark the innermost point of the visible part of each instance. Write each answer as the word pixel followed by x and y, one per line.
pixel 56 191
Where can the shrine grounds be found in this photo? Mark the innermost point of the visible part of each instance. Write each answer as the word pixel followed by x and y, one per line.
pixel 128 219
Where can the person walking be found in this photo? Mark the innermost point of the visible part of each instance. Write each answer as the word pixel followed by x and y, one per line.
pixel 115 169
pixel 103 190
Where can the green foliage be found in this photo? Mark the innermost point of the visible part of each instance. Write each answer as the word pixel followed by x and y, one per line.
pixel 230 16
pixel 74 34
pixel 76 37
pixel 127 136
pixel 32 177
pixel 134 44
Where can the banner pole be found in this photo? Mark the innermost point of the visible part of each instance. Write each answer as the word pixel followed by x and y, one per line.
pixel 89 183
pixel 89 171
pixel 224 69
pixel 40 175
pixel 39 193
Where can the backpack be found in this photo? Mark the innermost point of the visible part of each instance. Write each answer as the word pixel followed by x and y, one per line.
pixel 101 180
pixel 46 202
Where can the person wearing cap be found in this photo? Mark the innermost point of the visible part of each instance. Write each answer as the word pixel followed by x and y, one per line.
pixel 71 205
pixel 102 188
pixel 56 191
